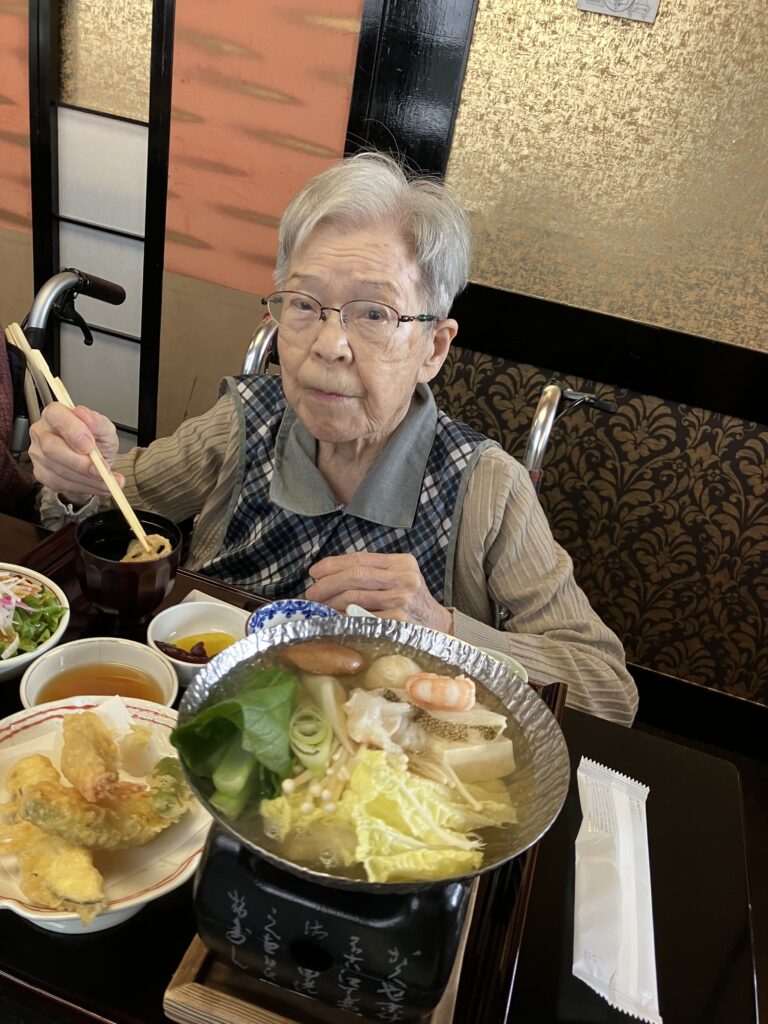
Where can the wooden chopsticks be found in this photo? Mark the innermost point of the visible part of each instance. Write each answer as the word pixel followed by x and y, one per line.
pixel 36 359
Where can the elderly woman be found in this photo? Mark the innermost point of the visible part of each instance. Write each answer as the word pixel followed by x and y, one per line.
pixel 340 480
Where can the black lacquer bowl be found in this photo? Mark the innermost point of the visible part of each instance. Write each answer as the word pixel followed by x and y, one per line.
pixel 132 590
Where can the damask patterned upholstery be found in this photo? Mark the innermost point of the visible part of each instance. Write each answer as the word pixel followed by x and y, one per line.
pixel 663 508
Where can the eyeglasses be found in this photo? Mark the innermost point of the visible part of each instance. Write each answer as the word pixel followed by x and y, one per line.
pixel 360 318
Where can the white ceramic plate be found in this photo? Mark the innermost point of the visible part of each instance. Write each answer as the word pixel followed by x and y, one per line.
pixel 17 663
pixel 506 659
pixel 132 877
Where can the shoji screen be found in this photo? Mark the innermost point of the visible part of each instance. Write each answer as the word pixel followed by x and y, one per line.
pixel 103 115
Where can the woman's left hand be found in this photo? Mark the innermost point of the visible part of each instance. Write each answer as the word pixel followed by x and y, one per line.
pixel 387 585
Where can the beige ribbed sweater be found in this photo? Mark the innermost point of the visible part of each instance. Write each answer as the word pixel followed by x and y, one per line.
pixel 505 554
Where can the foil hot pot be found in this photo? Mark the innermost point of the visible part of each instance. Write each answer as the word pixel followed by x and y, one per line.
pixel 332 948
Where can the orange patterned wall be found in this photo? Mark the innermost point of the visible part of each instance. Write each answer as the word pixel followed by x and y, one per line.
pixel 261 96
pixel 15 195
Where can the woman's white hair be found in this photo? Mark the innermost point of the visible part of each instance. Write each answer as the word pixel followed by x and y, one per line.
pixel 372 189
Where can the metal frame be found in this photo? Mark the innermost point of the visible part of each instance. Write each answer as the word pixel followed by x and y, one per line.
pixel 160 81
pixel 44 151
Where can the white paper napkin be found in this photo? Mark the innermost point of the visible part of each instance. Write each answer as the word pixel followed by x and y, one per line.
pixel 613 948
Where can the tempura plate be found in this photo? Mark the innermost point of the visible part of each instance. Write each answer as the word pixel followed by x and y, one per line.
pixel 132 877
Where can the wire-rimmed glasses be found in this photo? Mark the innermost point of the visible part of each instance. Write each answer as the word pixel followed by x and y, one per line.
pixel 363 319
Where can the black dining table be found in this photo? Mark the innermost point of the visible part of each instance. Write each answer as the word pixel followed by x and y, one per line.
pixel 701 907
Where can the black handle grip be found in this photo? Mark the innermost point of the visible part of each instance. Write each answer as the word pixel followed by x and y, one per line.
pixel 604 404
pixel 98 288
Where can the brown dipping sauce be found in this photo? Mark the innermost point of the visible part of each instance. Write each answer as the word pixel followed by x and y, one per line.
pixel 105 679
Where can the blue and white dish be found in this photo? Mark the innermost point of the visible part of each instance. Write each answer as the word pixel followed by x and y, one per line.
pixel 286 610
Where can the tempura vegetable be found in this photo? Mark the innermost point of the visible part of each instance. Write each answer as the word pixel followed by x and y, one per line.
pixel 26 772
pixel 159 546
pixel 53 872
pixel 128 818
pixel 53 827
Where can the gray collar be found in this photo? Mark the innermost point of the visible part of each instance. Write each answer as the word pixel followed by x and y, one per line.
pixel 389 494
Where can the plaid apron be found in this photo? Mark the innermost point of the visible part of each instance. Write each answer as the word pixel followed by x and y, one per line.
pixel 269 549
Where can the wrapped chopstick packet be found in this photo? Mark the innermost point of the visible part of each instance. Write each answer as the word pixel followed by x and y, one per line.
pixel 613 948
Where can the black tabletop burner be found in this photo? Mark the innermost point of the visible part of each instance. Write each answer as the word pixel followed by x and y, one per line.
pixel 323 954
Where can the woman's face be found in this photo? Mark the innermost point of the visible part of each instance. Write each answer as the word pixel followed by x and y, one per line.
pixel 344 390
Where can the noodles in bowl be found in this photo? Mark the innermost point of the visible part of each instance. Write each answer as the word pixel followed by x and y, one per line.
pixel 379 807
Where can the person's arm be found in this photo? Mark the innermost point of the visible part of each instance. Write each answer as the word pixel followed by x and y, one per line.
pixel 506 556
pixel 173 476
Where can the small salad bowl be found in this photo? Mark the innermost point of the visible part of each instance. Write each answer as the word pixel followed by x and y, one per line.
pixel 30 622
pixel 287 610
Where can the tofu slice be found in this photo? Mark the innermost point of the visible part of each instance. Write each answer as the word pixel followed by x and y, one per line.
pixel 477 762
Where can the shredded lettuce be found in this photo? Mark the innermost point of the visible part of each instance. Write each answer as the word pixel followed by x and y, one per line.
pixel 33 627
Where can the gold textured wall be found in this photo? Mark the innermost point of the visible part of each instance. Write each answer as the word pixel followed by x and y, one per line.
pixel 105 55
pixel 621 167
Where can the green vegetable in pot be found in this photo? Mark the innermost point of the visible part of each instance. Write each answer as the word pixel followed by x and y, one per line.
pixel 242 743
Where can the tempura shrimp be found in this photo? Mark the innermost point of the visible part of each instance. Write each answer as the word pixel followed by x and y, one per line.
pixel 90 758
pixel 440 693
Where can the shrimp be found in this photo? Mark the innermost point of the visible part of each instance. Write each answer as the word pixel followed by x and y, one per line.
pixel 90 758
pixel 440 693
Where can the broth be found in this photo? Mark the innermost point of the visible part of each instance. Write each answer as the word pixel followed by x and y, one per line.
pixel 105 679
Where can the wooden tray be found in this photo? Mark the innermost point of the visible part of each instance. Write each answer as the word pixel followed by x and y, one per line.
pixel 480 989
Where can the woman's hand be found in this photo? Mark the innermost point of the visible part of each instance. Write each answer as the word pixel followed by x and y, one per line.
pixel 387 585
pixel 61 441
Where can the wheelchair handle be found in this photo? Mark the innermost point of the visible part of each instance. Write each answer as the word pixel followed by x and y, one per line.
pixel 555 401
pixel 50 294
pixel 99 288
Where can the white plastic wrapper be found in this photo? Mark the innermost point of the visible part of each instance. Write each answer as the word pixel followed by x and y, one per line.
pixel 613 950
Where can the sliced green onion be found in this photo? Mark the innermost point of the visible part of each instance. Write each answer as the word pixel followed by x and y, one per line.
pixel 311 737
